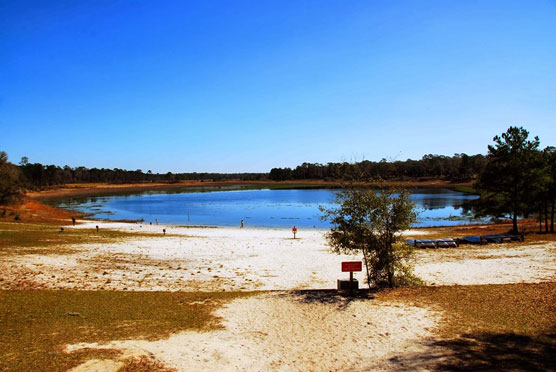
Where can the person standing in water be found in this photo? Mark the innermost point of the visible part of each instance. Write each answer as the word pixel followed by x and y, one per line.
pixel 242 224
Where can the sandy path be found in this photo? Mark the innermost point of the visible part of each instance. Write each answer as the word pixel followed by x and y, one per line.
pixel 295 332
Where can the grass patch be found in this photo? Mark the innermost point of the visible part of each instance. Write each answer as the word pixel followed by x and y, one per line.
pixel 35 325
pixel 29 238
pixel 464 189
pixel 508 327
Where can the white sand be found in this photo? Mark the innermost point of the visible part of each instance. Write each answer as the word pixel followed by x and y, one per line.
pixel 280 331
pixel 491 264
pixel 186 259
pixel 209 259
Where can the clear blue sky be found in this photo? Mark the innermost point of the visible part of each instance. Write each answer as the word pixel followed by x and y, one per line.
pixel 236 86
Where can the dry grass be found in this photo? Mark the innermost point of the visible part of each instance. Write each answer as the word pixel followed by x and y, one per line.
pixel 145 364
pixel 509 327
pixel 30 238
pixel 35 325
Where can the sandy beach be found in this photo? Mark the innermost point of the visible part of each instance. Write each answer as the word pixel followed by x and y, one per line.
pixel 220 258
pixel 285 329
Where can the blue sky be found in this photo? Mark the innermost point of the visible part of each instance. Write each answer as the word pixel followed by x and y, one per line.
pixel 244 86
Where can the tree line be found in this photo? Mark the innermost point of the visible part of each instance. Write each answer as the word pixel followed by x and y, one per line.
pixel 37 176
pixel 460 167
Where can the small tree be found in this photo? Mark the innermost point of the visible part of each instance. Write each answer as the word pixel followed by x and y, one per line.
pixel 369 222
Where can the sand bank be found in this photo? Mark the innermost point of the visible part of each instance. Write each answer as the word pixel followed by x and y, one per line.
pixel 209 259
pixel 283 330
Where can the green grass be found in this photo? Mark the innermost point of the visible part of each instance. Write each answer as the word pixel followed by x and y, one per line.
pixel 465 189
pixel 508 327
pixel 28 238
pixel 35 325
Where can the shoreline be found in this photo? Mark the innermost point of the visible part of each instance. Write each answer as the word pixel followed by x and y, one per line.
pixel 99 189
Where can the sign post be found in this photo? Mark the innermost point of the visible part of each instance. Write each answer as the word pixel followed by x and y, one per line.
pixel 351 266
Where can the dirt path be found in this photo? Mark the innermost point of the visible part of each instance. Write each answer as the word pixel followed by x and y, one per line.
pixel 288 331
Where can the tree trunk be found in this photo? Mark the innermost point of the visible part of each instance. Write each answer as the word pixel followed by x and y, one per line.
pixel 390 266
pixel 546 216
pixel 367 268
pixel 552 218
pixel 540 220
pixel 390 273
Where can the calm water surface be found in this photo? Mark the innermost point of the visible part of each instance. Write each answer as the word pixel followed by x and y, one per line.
pixel 258 208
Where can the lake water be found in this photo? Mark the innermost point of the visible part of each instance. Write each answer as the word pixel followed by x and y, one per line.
pixel 258 208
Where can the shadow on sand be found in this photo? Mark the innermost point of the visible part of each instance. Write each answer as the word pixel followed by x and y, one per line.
pixel 500 352
pixel 332 296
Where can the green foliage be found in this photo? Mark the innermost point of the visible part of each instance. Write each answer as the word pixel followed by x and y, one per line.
pixel 464 189
pixel 36 175
pixel 368 222
pixel 549 195
pixel 10 180
pixel 514 174
pixel 460 167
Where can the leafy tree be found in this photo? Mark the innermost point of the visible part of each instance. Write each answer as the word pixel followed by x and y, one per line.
pixel 10 180
pixel 550 190
pixel 24 161
pixel 512 176
pixel 368 222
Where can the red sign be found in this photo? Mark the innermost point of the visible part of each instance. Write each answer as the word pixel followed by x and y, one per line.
pixel 352 266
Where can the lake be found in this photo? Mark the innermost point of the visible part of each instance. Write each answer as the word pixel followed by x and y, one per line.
pixel 258 208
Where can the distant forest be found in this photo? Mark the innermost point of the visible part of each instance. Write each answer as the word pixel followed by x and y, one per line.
pixel 459 167
pixel 36 176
